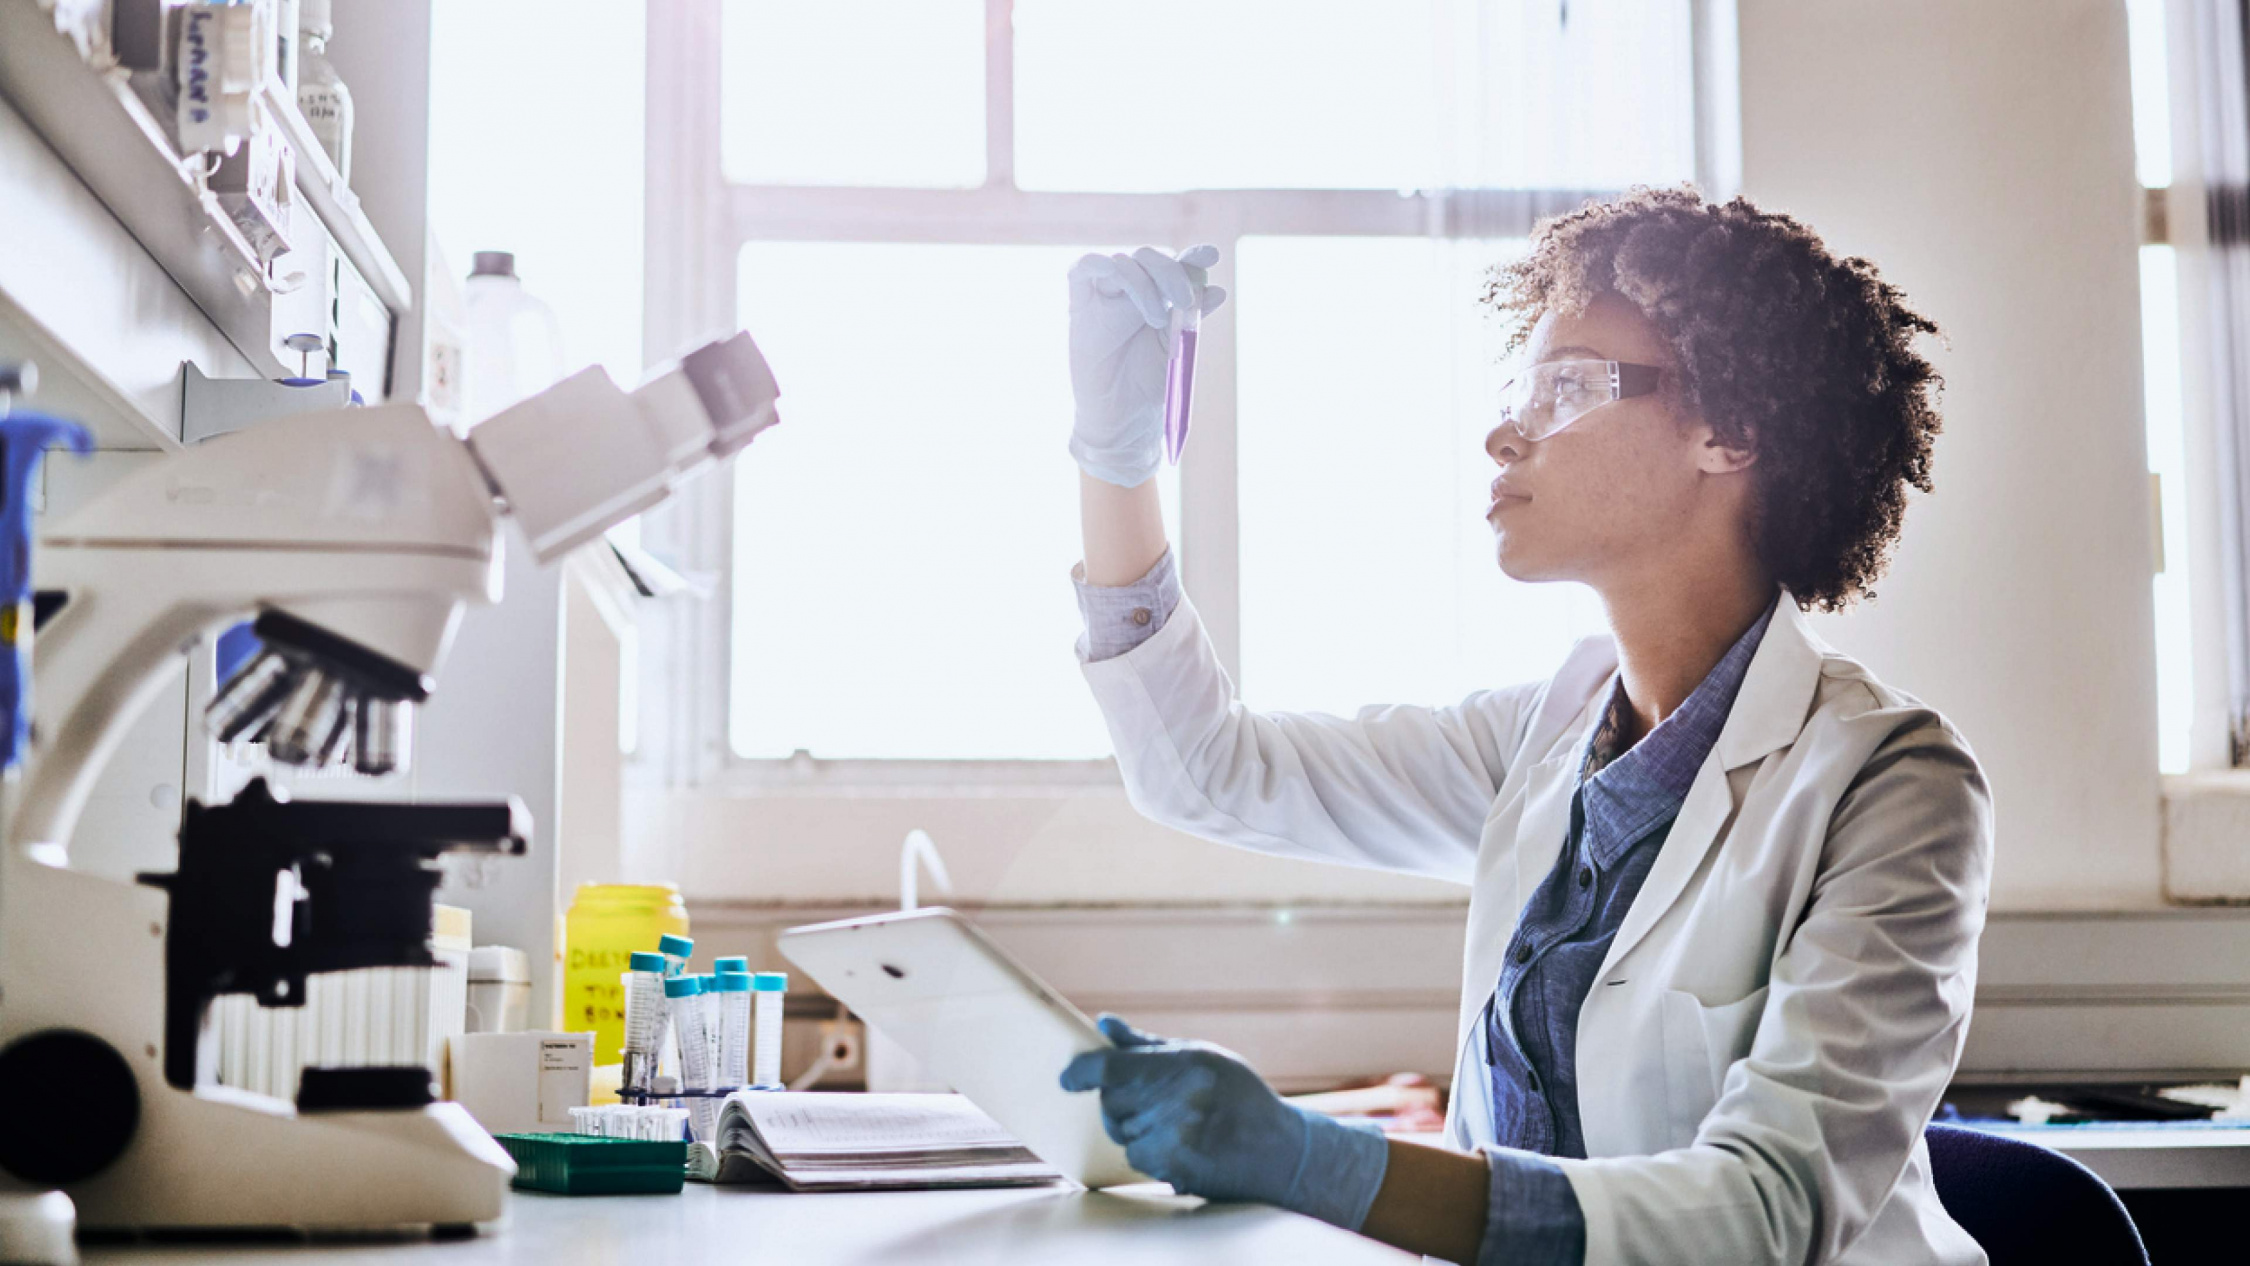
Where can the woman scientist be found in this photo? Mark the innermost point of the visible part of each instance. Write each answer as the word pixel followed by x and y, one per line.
pixel 1725 885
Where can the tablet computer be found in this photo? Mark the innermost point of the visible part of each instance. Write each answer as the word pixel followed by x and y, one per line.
pixel 977 1020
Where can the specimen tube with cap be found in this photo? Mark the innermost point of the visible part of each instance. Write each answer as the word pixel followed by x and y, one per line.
pixel 770 988
pixel 645 1019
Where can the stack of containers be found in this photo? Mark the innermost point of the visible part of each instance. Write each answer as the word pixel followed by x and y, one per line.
pixel 724 1029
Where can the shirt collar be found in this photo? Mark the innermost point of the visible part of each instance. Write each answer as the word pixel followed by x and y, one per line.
pixel 1626 795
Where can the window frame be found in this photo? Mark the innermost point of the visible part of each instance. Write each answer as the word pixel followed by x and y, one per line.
pixel 697 223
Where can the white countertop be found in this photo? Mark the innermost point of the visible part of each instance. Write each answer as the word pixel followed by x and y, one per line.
pixel 1054 1226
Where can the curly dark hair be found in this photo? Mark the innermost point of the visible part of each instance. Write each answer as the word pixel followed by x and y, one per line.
pixel 1805 359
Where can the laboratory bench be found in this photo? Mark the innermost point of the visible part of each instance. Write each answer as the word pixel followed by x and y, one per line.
pixel 1057 1226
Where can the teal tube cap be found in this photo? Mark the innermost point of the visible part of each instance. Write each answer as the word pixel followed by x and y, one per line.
pixel 647 962
pixel 732 982
pixel 736 963
pixel 676 945
pixel 771 982
pixel 682 986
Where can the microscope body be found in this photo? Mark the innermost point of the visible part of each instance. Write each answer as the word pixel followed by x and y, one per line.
pixel 355 540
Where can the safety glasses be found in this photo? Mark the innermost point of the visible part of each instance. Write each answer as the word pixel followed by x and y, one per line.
pixel 1551 395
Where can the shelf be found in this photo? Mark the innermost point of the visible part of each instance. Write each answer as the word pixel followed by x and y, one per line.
pixel 123 153
pixel 338 207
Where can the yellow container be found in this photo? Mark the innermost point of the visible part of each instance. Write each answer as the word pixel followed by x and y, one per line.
pixel 605 925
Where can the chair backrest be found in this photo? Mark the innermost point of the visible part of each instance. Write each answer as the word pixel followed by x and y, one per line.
pixel 2024 1203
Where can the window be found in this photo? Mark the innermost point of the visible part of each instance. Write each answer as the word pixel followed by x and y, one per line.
pixel 887 193
pixel 2166 417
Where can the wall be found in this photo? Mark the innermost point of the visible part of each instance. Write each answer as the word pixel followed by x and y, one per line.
pixel 1982 155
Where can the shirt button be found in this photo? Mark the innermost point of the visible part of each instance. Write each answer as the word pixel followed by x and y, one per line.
pixel 1523 953
pixel 1140 615
pixel 1585 876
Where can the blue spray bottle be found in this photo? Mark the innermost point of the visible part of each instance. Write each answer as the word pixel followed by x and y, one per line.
pixel 24 439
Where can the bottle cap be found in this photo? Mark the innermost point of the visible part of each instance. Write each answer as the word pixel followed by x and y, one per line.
pixel 647 962
pixel 492 264
pixel 771 982
pixel 736 963
pixel 682 986
pixel 731 982
pixel 678 946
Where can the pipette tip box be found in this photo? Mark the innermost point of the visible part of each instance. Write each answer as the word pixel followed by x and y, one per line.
pixel 588 1165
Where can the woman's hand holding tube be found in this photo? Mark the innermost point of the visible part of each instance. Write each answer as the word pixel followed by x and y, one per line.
pixel 1120 311
pixel 1199 1118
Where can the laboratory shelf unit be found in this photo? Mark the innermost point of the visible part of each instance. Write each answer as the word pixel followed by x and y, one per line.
pixel 121 151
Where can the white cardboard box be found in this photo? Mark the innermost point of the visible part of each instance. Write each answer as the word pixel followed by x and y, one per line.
pixel 522 1083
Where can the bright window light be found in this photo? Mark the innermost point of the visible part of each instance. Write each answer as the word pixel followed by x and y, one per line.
pixel 2152 87
pixel 1157 95
pixel 904 539
pixel 853 92
pixel 1368 572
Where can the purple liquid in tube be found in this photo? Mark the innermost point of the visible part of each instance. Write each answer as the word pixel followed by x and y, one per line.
pixel 1179 394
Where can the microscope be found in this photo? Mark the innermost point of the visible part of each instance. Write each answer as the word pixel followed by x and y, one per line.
pixel 354 541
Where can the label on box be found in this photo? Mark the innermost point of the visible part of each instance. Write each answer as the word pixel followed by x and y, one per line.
pixel 565 1073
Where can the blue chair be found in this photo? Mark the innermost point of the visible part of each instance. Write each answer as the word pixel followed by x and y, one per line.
pixel 2024 1203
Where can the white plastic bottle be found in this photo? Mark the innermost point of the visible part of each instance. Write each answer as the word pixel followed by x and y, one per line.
pixel 515 343
pixel 321 95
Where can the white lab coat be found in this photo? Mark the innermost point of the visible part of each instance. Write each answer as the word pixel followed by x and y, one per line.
pixel 1784 1003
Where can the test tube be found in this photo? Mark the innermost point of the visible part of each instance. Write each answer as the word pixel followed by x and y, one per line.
pixel 644 1019
pixel 676 951
pixel 1179 378
pixel 734 1028
pixel 770 989
pixel 683 995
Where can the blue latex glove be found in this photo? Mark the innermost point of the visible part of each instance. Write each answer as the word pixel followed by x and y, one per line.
pixel 1120 316
pixel 1199 1118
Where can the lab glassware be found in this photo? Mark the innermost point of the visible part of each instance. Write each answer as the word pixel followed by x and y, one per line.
pixel 676 950
pixel 1179 378
pixel 645 1019
pixel 734 1023
pixel 771 989
pixel 683 995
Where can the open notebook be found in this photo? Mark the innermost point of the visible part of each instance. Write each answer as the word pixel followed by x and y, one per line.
pixel 816 1141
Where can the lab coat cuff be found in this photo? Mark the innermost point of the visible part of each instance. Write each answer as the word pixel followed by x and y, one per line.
pixel 1531 1214
pixel 1342 1169
pixel 1121 617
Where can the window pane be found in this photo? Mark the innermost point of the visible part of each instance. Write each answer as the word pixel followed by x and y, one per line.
pixel 853 92
pixel 1368 573
pixel 2167 457
pixel 904 539
pixel 1368 94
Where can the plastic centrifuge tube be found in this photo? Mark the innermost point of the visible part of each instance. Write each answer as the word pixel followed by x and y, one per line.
pixel 714 1025
pixel 1179 378
pixel 734 1028
pixel 770 988
pixel 676 950
pixel 684 996
pixel 645 1019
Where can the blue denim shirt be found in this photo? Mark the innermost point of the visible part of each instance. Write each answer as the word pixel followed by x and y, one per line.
pixel 1623 809
pixel 1619 817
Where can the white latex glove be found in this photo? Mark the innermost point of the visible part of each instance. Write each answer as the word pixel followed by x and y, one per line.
pixel 1120 315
